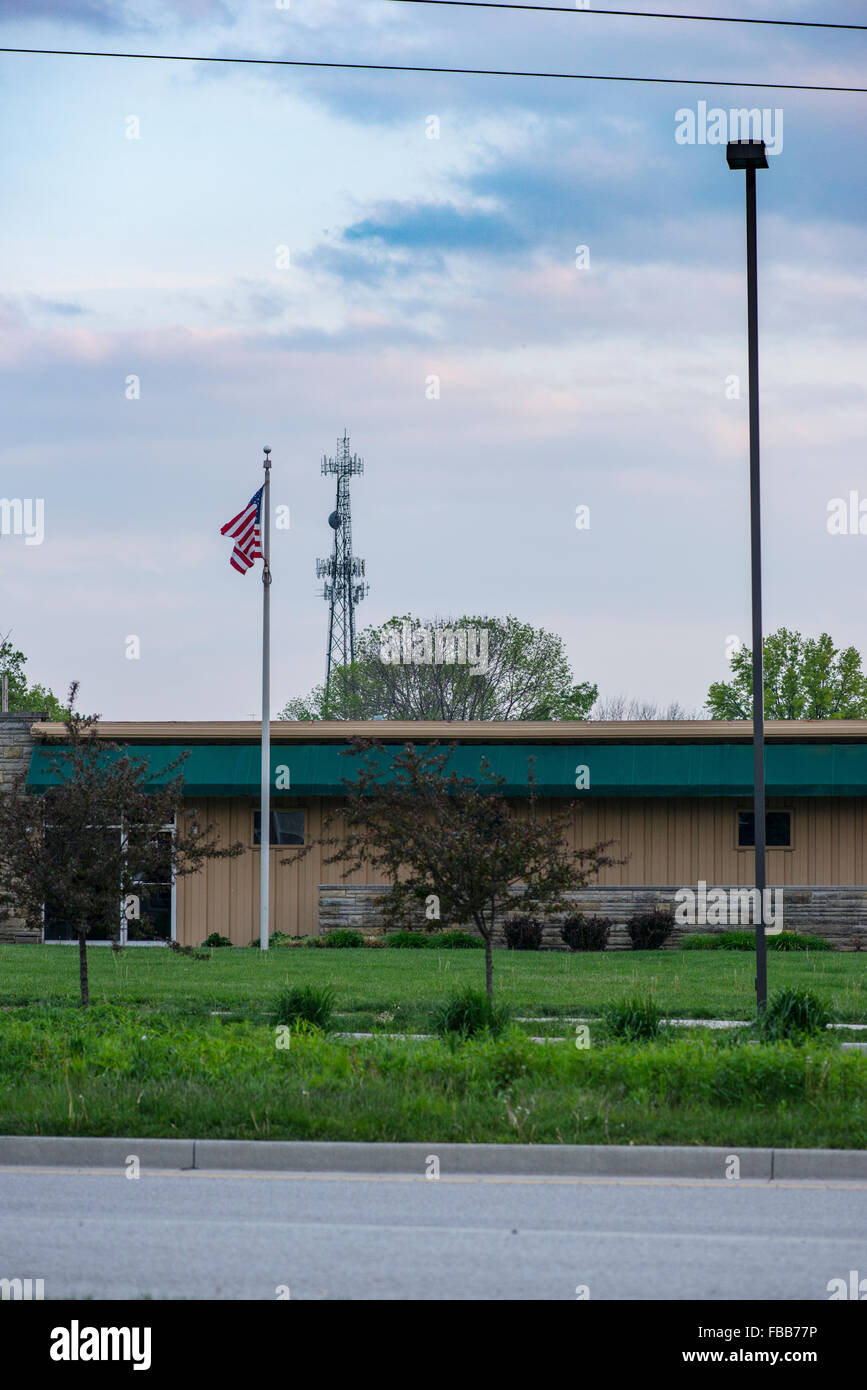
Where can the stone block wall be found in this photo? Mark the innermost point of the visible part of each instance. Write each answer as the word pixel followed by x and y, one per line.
pixel 16 745
pixel 838 914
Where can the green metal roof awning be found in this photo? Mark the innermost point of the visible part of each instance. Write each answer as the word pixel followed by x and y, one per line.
pixel 318 769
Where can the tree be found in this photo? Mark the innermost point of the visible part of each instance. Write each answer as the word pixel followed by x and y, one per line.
pixel 453 843
pixel 804 678
pixel 461 668
pixel 616 707
pixel 87 843
pixel 21 695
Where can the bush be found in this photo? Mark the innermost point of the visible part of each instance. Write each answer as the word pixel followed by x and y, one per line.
pixel 343 940
pixel 736 940
pixel 215 939
pixel 648 930
pixel 523 933
pixel 468 1014
pixel 586 933
pixel 280 938
pixel 459 941
pixel 305 1003
pixel 745 940
pixel 795 1014
pixel 407 940
pixel 188 951
pixel 700 941
pixel 634 1020
pixel 798 941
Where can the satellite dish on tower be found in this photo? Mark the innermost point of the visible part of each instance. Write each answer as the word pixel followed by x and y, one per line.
pixel 334 521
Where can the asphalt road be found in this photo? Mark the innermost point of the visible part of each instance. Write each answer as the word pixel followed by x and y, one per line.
pixel 207 1235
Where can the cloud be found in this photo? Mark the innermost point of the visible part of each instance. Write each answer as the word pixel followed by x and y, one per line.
pixel 401 240
pixel 110 16
pixel 63 307
pixel 438 227
pixel 91 14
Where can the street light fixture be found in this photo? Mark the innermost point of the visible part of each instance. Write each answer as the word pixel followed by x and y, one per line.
pixel 750 155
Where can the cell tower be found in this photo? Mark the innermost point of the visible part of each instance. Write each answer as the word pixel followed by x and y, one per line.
pixel 343 572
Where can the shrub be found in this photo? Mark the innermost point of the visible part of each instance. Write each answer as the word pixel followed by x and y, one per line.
pixel 215 939
pixel 798 941
pixel 188 951
pixel 586 933
pixel 469 1013
pixel 745 940
pixel 523 933
pixel 795 1014
pixel 408 940
pixel 280 938
pixel 343 940
pixel 648 930
pixel 305 1003
pixel 700 941
pixel 459 941
pixel 634 1019
pixel 737 940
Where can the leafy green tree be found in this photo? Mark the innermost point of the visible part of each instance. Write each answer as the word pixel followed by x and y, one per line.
pixel 508 670
pixel 803 678
pixel 21 695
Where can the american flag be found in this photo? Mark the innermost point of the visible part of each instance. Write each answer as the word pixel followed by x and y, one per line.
pixel 244 529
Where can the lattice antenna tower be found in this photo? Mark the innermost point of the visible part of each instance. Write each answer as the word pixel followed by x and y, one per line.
pixel 343 572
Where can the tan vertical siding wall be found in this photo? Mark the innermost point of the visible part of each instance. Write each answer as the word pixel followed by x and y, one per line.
pixel 666 842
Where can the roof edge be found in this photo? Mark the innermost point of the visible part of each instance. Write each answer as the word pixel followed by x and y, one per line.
pixel 470 731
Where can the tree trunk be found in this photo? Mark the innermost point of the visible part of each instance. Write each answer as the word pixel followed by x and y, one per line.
pixel 489 968
pixel 82 968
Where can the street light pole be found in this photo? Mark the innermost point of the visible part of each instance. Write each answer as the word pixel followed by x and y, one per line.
pixel 750 155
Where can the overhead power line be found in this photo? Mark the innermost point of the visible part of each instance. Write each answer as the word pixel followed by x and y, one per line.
pixel 455 72
pixel 637 14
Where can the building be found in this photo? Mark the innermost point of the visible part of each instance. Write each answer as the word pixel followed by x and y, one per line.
pixel 675 797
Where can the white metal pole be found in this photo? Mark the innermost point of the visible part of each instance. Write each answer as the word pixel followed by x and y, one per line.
pixel 265 801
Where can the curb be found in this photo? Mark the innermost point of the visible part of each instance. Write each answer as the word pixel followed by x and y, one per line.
pixel 22 1150
pixel 506 1160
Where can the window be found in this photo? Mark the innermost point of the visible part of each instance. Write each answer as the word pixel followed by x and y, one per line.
pixel 778 829
pixel 154 922
pixel 287 828
pixel 102 920
pixel 154 906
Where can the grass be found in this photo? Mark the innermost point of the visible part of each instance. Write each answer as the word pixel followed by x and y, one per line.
pixel 684 984
pixel 175 1046
pixel 112 1072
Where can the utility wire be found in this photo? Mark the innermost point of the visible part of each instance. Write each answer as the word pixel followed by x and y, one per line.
pixel 636 14
pixel 456 72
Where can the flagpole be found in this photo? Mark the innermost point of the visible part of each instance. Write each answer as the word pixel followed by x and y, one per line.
pixel 265 802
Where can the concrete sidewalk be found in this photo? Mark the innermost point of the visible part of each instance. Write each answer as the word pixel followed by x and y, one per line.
pixel 541 1160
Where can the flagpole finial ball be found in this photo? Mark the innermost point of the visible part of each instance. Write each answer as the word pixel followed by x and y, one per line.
pixel 267 449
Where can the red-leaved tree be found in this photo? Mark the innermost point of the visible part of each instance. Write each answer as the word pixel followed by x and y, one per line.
pixel 431 832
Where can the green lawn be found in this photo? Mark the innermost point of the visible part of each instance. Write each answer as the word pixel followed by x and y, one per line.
pixel 176 1046
pixel 686 984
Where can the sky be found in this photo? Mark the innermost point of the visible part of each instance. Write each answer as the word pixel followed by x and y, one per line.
pixel 520 296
